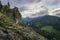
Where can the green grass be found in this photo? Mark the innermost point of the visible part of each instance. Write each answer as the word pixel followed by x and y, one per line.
pixel 48 29
pixel 52 31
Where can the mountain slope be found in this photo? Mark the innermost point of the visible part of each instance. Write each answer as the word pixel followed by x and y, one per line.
pixel 48 26
pixel 9 30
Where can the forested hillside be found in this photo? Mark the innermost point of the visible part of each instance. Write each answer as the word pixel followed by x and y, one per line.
pixel 48 26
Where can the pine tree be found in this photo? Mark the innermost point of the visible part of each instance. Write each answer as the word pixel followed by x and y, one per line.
pixel 0 5
pixel 8 4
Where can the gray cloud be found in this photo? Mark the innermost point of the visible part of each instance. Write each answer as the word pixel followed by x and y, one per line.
pixel 33 7
pixel 41 13
pixel 23 8
pixel 55 2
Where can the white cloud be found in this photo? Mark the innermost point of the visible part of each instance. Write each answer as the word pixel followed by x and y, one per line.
pixel 55 12
pixel 37 10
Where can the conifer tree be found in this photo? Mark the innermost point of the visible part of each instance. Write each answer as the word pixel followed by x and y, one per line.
pixel 8 4
pixel 0 5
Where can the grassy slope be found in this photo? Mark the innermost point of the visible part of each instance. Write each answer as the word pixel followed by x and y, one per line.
pixel 50 29
pixel 11 31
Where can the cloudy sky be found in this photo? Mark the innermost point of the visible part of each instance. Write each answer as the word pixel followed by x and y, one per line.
pixel 34 8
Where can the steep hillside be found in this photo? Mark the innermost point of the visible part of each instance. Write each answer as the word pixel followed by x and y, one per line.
pixel 9 30
pixel 11 25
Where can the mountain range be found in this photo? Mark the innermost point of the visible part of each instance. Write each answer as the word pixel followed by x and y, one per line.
pixel 55 12
pixel 46 26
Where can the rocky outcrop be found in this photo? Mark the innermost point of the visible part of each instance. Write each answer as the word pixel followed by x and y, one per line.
pixel 13 14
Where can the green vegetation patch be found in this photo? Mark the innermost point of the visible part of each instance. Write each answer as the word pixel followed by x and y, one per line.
pixel 49 30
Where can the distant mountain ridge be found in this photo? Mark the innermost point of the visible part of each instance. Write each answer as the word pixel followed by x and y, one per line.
pixel 47 20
